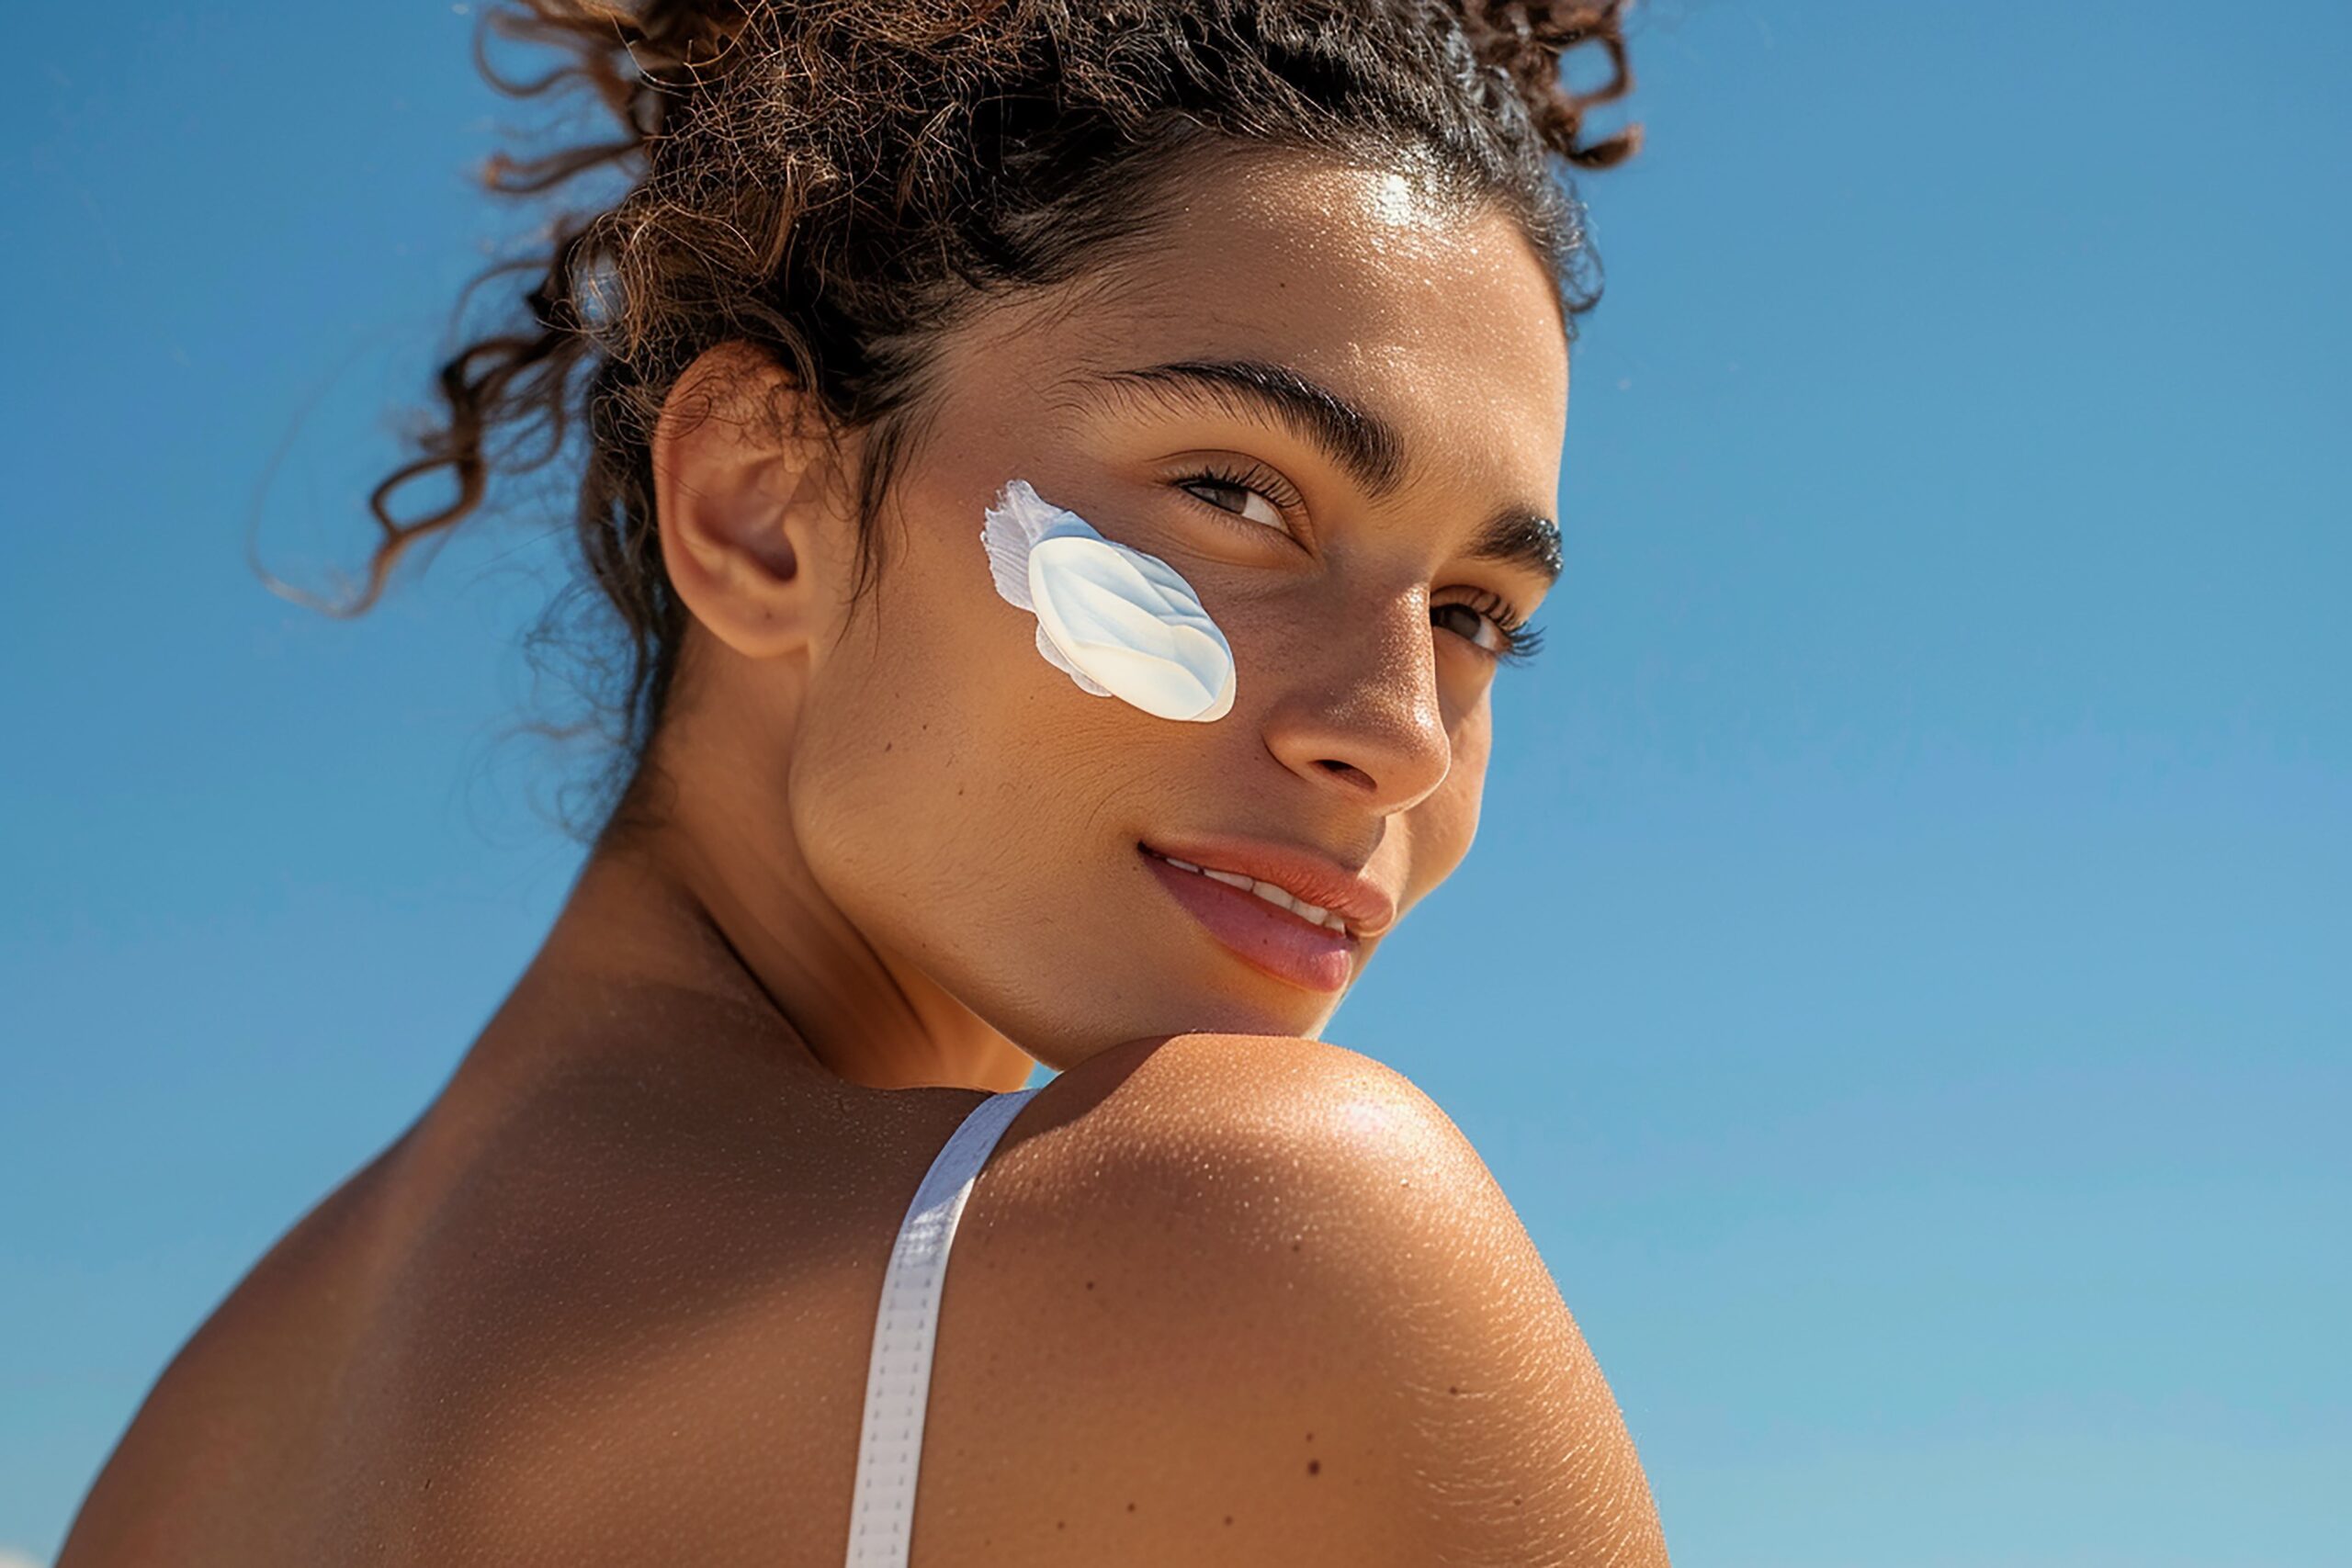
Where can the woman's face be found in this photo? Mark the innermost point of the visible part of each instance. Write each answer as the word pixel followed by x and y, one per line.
pixel 978 820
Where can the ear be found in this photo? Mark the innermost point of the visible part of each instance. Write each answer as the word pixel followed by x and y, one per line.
pixel 742 480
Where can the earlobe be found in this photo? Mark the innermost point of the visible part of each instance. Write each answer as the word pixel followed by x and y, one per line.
pixel 738 502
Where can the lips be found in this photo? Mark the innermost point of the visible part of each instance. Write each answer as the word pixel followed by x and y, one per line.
pixel 1273 942
pixel 1305 875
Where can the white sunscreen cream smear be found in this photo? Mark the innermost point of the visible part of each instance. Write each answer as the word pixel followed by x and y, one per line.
pixel 1122 623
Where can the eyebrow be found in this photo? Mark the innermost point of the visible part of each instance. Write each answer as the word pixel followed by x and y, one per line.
pixel 1358 440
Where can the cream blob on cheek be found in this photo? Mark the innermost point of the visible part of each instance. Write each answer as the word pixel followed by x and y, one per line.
pixel 1120 622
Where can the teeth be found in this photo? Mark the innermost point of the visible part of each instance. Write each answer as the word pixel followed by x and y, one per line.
pixel 1273 895
pixel 1269 892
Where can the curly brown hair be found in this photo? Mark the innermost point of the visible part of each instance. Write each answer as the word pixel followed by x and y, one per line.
pixel 840 181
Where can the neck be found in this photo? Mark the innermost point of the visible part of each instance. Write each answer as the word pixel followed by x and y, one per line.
pixel 750 930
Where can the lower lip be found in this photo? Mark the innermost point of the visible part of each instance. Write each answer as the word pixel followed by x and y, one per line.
pixel 1274 942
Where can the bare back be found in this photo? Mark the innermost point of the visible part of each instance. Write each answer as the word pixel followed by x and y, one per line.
pixel 620 1296
pixel 627 1308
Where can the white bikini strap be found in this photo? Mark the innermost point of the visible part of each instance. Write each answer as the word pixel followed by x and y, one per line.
pixel 897 1375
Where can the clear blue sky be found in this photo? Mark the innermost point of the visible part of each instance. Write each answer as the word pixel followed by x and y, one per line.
pixel 1903 977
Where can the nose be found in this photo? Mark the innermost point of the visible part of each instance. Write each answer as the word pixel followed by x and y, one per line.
pixel 1362 715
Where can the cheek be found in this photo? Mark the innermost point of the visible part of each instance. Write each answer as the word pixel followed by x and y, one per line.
pixel 1445 824
pixel 940 766
pixel 892 756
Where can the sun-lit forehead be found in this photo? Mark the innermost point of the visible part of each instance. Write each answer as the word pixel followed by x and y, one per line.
pixel 1399 200
pixel 1392 198
pixel 1374 282
pixel 1375 279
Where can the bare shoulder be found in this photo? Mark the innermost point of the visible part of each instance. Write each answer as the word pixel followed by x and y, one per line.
pixel 1283 1314
pixel 1236 1299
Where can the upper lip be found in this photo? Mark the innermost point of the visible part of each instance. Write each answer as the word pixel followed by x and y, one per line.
pixel 1305 875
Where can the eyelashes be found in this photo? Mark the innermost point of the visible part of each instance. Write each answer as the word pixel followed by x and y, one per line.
pixel 1522 638
pixel 1262 486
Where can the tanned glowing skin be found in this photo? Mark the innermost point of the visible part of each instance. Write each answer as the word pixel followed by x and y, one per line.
pixel 1328 405
pixel 1225 1293
pixel 1332 406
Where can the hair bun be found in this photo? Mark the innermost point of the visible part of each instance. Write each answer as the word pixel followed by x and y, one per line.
pixel 1525 40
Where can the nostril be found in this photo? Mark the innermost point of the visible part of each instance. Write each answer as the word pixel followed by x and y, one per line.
pixel 1348 770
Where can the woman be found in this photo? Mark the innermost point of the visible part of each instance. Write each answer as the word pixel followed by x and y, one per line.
pixel 1069 476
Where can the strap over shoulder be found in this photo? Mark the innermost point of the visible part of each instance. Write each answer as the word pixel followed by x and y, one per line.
pixel 897 1375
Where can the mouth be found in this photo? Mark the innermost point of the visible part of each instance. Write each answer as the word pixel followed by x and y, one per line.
pixel 1272 894
pixel 1274 939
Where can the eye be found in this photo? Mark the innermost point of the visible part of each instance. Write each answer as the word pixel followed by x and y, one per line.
pixel 1235 494
pixel 1514 640
pixel 1491 625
